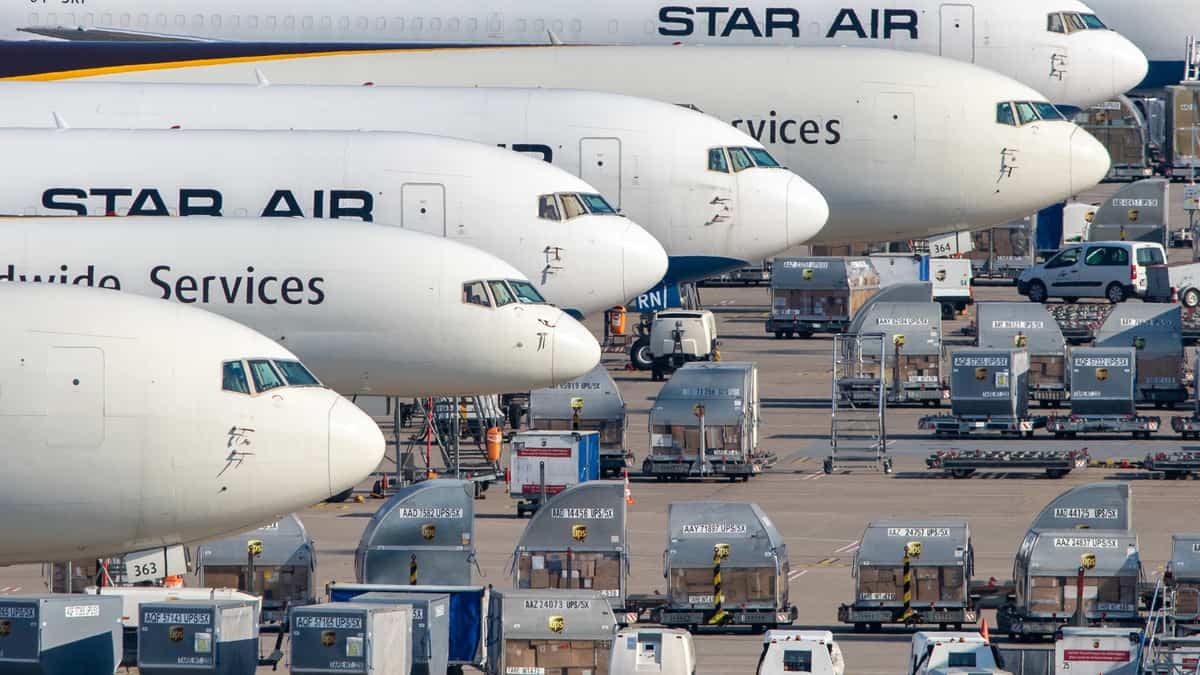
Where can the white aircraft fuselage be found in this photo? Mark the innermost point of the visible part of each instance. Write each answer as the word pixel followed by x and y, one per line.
pixel 647 158
pixel 1071 66
pixel 119 435
pixel 466 192
pixel 371 309
pixel 901 145
pixel 1159 28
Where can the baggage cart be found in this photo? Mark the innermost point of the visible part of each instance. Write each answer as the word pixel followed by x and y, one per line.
pixel 59 634
pixel 346 637
pixel 963 463
pixel 1103 381
pixel 1156 333
pixel 989 391
pixel 282 573
pixel 1028 326
pixel 704 423
pixel 726 565
pixel 544 463
pixel 430 627
pixel 577 542
pixel 818 294
pixel 590 403
pixel 1079 322
pixel 204 636
pixel 424 534
pixel 554 631
pixel 1173 465
pixel 912 336
pixel 940 575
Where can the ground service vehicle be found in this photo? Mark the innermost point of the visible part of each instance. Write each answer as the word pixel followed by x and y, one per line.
pixel 589 403
pixel 942 574
pixel 676 337
pixel 946 653
pixel 653 650
pixel 818 294
pixel 804 651
pixel 1114 270
pixel 704 422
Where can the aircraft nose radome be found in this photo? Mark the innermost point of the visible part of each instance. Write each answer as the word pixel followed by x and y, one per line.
pixel 576 351
pixel 807 211
pixel 1089 161
pixel 1129 64
pixel 356 445
pixel 643 261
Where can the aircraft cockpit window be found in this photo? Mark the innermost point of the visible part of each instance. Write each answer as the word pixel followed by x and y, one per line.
pixel 763 158
pixel 526 293
pixel 264 375
pixel 1004 114
pixel 1054 23
pixel 233 377
pixel 1025 112
pixel 296 374
pixel 572 207
pixel 548 207
pixel 717 161
pixel 1093 22
pixel 1047 111
pixel 598 205
pixel 501 292
pixel 1074 22
pixel 741 160
pixel 475 293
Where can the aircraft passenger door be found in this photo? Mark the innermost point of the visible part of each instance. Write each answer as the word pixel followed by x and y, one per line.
pixel 600 166
pixel 958 32
pixel 423 208
pixel 75 396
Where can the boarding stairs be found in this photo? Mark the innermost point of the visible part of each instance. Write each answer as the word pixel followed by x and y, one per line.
pixel 445 429
pixel 1167 650
pixel 858 430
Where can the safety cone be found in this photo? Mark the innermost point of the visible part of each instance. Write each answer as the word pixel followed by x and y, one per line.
pixel 628 493
pixel 987 639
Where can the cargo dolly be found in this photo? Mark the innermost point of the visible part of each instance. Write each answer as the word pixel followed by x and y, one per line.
pixel 955 426
pixel 1055 463
pixel 1139 426
pixel 1187 427
pixel 1174 465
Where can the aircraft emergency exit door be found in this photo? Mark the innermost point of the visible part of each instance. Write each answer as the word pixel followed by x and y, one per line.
pixel 958 32
pixel 423 208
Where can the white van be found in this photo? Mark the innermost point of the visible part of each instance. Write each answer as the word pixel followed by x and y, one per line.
pixel 1114 270
pixel 652 650
pixel 800 651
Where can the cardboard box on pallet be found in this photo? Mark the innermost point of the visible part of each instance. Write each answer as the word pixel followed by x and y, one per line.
pixel 519 654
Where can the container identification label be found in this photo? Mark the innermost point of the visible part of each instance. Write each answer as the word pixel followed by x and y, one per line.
pixel 1102 361
pixel 550 603
pixel 918 532
pixel 583 513
pixel 524 670
pixel 81 611
pixel 1127 322
pixel 977 361
pixel 188 618
pixel 700 599
pixel 1019 325
pixel 798 264
pixel 1087 513
pixel 901 321
pixel 17 612
pixel 714 528
pixel 1086 542
pixel 329 622
pixel 876 596
pixel 443 512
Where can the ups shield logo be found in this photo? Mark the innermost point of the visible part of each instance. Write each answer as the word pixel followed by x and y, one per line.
pixel 328 638
pixel 557 624
pixel 807 274
pixel 428 531
pixel 1102 374
pixel 1134 214
pixel 579 532
pixel 175 633
pixel 5 628
pixel 940 275
pixel 981 373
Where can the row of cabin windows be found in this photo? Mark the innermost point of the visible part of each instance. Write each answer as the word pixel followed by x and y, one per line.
pixel 500 292
pixel 1019 113
pixel 1072 22
pixel 266 374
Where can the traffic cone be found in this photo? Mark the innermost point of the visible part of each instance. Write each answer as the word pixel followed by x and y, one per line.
pixel 628 493
pixel 987 639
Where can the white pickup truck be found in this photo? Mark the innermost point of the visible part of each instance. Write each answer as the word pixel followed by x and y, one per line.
pixel 953 654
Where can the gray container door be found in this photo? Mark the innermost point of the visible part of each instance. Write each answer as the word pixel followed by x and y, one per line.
pixel 600 166
pixel 958 32
pixel 75 385
pixel 423 208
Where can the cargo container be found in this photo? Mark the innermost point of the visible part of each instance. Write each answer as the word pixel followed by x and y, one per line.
pixel 544 463
pixel 283 574
pixel 1094 506
pixel 1182 577
pixel 653 650
pixel 424 534
pixel 1022 325
pixel 590 403
pixel 198 636
pixel 60 634
pixel 741 541
pixel 949 278
pixel 912 346
pixel 941 575
pixel 1003 251
pixel 1120 126
pixel 430 627
pixel 1103 393
pixel 704 422
pixel 818 294
pixel 1137 212
pixel 989 391
pixel 1156 332
pixel 577 542
pixel 1188 426
pixel 554 631
pixel 1098 651
pixel 1183 123
pixel 346 637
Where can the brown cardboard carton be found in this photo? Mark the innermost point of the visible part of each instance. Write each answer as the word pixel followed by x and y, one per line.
pixel 524 565
pixel 928 590
pixel 519 654
pixel 953 587
pixel 1187 598
pixel 554 654
pixel 926 572
pixel 1045 599
pixel 539 579
pixel 602 657
pixel 583 654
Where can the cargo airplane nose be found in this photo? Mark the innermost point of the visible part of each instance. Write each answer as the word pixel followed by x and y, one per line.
pixel 356 445
pixel 807 211
pixel 1089 162
pixel 576 351
pixel 643 261
pixel 1129 63
pixel 1103 66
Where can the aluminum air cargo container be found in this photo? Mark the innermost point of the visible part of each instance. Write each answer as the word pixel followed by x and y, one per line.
pixel 1095 506
pixel 1156 333
pixel 554 632
pixel 912 345
pixel 423 534
pixel 1028 326
pixel 818 294
pixel 430 627
pixel 206 636
pixel 989 383
pixel 373 639
pixel 283 573
pixel 590 403
pixel 1102 381
pixel 60 634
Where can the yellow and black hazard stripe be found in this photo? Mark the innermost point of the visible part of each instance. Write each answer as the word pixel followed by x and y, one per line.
pixel 412 571
pixel 908 610
pixel 720 616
